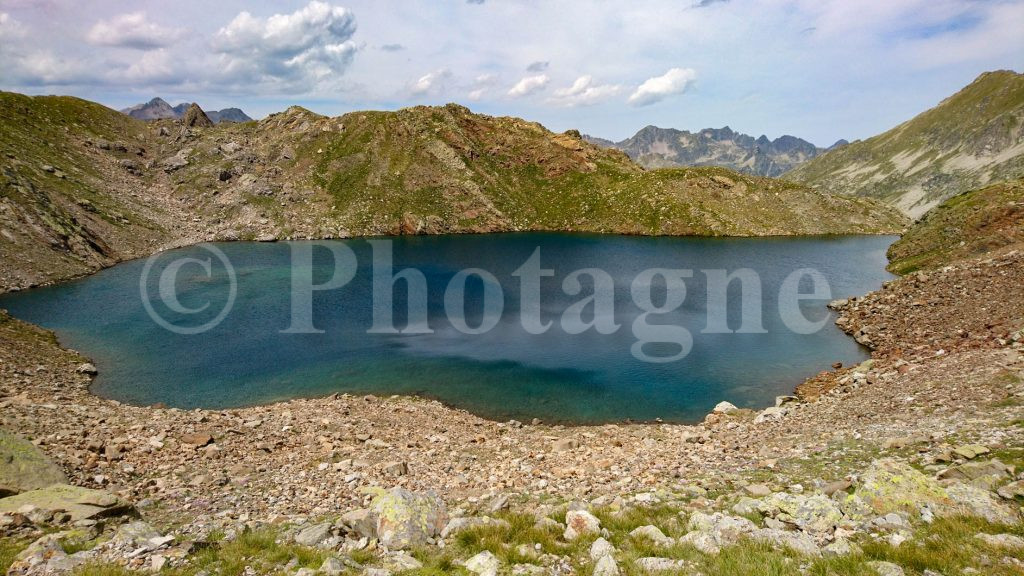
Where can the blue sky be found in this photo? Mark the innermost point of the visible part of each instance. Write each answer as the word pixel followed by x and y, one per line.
pixel 818 69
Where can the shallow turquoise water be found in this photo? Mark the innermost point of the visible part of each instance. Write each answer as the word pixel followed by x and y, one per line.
pixel 504 373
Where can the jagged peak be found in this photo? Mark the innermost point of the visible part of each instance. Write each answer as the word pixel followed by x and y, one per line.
pixel 196 118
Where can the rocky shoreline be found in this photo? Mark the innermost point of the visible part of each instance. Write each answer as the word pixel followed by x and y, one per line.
pixel 946 376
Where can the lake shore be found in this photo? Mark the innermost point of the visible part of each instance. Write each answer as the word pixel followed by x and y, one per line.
pixel 310 457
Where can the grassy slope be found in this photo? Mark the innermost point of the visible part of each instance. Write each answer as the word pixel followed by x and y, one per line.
pixel 925 155
pixel 449 170
pixel 63 210
pixel 967 225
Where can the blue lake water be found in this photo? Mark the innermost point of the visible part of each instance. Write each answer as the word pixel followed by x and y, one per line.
pixel 506 372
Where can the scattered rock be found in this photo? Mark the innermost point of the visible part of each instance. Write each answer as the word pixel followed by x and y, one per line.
pixel 565 445
pixel 757 490
pixel 87 368
pixel 653 564
pixel 1010 541
pixel 45 556
pixel 886 568
pixel 967 499
pixel 724 408
pixel 606 566
pixel 456 525
pixel 654 534
pixel 601 548
pixel 580 522
pixel 313 535
pixel 484 564
pixel 970 451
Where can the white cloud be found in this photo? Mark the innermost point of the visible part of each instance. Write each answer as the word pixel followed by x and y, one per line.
pixel 132 31
pixel 656 89
pixel 293 51
pixel 529 85
pixel 481 85
pixel 430 82
pixel 584 92
pixel 10 28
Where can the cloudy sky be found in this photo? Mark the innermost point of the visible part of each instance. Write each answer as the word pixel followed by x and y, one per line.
pixel 818 69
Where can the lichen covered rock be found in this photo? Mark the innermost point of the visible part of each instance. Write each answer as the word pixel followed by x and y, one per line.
pixel 404 519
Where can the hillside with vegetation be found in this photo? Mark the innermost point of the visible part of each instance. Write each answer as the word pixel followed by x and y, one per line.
pixel 967 225
pixel 969 140
pixel 85 186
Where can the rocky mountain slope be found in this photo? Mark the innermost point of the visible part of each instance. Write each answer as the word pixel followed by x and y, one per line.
pixel 966 225
pixel 970 139
pixel 158 108
pixel 654 147
pixel 85 186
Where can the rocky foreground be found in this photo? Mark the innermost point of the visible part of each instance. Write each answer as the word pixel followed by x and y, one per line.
pixel 912 462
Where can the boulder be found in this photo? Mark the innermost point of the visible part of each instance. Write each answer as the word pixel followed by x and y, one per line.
pixel 484 564
pixel 361 522
pixel 80 503
pixel 970 451
pixel 770 414
pixel 136 534
pixel 796 541
pixel 985 473
pixel 401 562
pixel 332 566
pixel 654 534
pixel 601 548
pixel 817 515
pixel 724 408
pixel 24 467
pixel 1009 541
pixel 757 490
pixel 46 556
pixel 709 533
pixel 313 534
pixel 606 566
pixel 1012 490
pixel 404 519
pixel 580 522
pixel 889 485
pixel 886 568
pixel 653 564
pixel 974 501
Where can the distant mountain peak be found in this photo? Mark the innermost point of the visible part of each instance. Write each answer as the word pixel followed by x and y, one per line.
pixel 158 108
pixel 655 147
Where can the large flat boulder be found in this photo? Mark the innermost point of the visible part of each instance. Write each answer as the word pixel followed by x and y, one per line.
pixel 80 503
pixel 890 486
pixel 404 519
pixel 24 467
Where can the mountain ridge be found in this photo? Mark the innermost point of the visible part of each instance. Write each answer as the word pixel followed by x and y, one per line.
pixel 970 139
pixel 158 108
pixel 656 147
pixel 86 186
